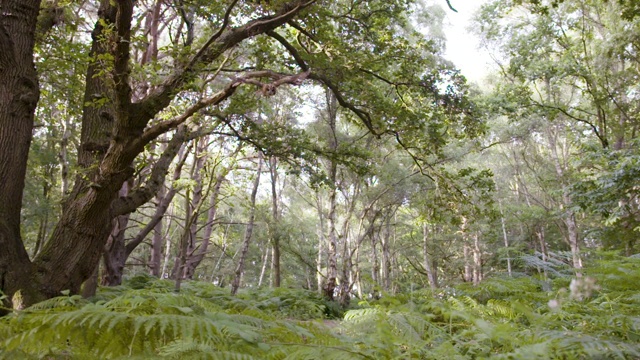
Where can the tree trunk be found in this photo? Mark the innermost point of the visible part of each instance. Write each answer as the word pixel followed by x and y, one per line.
pixel 432 272
pixel 275 228
pixel 332 253
pixel 19 94
pixel 321 242
pixel 114 133
pixel 223 252
pixel 375 267
pixel 157 239
pixel 543 246
pixel 386 255
pixel 115 254
pixel 569 217
pixel 505 238
pixel 265 261
pixel 248 232
pixel 196 257
pixel 468 269
pixel 477 260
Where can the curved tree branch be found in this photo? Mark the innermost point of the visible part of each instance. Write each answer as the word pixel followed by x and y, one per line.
pixel 364 116
pixel 144 110
pixel 266 88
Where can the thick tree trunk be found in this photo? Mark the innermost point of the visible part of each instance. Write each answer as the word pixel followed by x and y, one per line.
pixel 114 132
pixel 19 95
pixel 248 232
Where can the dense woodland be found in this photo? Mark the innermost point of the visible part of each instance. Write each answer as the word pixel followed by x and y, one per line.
pixel 311 179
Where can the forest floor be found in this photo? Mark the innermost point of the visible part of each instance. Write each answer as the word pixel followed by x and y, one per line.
pixel 596 316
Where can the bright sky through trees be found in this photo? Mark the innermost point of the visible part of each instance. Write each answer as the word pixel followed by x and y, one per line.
pixel 463 47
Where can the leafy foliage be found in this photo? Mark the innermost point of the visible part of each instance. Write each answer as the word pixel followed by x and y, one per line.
pixel 503 318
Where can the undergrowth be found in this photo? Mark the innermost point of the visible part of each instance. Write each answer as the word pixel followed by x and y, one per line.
pixel 596 316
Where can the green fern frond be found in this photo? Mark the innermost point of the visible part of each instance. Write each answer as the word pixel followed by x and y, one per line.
pixel 193 350
pixel 62 303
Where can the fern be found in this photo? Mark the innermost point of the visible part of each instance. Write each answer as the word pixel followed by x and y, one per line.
pixel 502 318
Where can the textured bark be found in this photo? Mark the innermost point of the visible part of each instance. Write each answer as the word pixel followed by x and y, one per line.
pixel 114 133
pixel 115 254
pixel 19 95
pixel 248 232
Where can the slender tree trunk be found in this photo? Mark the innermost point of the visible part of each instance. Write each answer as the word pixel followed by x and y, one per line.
pixel 196 257
pixel 543 246
pixel 432 272
pixel 321 242
pixel 223 251
pixel 248 232
pixel 265 261
pixel 468 268
pixel 63 157
pixel 44 220
pixel 477 259
pixel 275 213
pixel 569 217
pixel 506 240
pixel 157 239
pixel 115 254
pixel 167 257
pixel 155 224
pixel 375 267
pixel 386 255
pixel 332 253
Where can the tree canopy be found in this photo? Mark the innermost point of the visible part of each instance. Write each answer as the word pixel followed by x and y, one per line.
pixel 323 157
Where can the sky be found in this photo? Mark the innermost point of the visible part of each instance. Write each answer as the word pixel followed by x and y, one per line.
pixel 463 46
